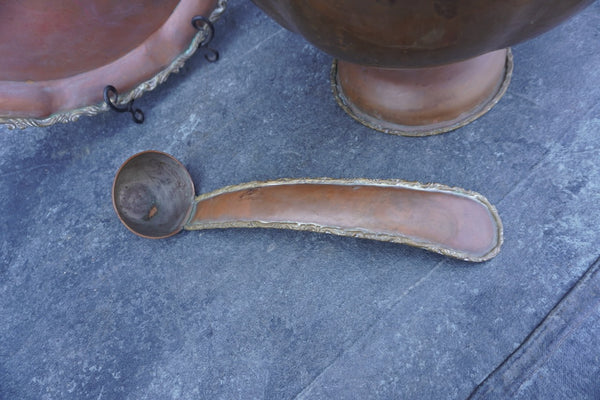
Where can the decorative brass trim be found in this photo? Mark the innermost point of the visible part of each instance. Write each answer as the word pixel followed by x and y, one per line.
pixel 151 84
pixel 371 122
pixel 431 187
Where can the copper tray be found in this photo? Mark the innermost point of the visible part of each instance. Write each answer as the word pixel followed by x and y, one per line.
pixel 57 56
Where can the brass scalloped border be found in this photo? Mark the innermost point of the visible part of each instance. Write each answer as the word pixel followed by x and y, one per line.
pixel 151 84
pixel 431 187
pixel 370 122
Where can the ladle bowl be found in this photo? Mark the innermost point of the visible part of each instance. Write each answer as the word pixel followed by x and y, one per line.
pixel 153 195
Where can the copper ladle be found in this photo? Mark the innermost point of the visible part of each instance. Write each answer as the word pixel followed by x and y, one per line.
pixel 153 195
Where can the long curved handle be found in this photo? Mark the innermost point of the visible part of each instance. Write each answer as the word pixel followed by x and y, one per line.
pixel 450 221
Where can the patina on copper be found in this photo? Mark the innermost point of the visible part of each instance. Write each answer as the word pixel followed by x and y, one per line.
pixel 419 67
pixel 153 196
pixel 56 57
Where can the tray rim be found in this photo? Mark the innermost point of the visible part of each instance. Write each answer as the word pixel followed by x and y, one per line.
pixel 141 88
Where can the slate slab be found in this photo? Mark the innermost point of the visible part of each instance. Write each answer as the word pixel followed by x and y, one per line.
pixel 88 310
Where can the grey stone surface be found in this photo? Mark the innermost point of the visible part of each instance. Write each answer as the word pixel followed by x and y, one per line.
pixel 88 310
pixel 554 361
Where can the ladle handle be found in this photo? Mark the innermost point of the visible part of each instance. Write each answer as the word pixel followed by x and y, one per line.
pixel 438 218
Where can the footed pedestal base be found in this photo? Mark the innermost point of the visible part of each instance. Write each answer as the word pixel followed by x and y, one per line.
pixel 422 101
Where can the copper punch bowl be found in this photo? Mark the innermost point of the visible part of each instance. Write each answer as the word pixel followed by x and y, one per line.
pixel 419 67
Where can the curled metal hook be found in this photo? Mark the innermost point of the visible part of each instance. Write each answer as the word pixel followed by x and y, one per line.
pixel 203 24
pixel 110 93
